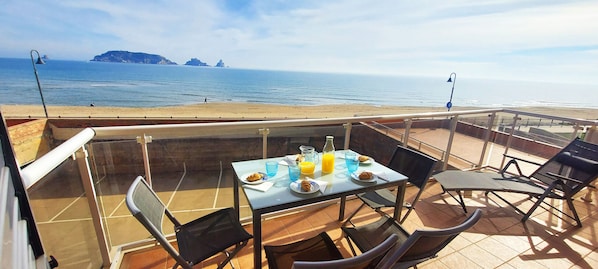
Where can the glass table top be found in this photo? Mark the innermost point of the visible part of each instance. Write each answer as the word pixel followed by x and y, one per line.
pixel 336 184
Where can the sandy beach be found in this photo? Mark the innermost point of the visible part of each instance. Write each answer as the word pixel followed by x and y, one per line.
pixel 256 111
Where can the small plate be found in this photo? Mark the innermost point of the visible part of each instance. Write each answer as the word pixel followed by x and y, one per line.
pixel 368 162
pixel 296 187
pixel 355 176
pixel 244 179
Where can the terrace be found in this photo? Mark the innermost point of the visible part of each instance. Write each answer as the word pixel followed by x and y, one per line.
pixel 76 190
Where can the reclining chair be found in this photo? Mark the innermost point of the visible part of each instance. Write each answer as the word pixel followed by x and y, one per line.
pixel 561 177
pixel 198 239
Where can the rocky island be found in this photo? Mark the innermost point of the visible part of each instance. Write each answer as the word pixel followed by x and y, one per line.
pixel 120 56
pixel 196 62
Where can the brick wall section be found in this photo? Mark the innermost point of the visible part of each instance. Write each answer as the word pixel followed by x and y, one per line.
pixel 370 142
pixel 200 154
pixel 520 143
pixel 30 140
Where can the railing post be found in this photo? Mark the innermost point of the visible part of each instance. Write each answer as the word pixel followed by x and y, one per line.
pixel 144 140
pixel 576 129
pixel 592 137
pixel 408 123
pixel 508 145
pixel 264 132
pixel 348 126
pixel 447 154
pixel 487 138
pixel 81 157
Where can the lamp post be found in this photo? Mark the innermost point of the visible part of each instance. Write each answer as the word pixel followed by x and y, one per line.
pixel 450 102
pixel 39 87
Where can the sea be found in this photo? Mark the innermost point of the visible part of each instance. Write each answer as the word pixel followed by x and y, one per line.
pixel 85 83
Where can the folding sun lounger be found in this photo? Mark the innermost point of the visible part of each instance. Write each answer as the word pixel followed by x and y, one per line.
pixel 561 177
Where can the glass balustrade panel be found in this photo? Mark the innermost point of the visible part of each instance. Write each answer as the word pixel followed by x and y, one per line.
pixel 62 214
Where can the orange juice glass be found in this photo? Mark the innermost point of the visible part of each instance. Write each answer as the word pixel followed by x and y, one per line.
pixel 307 168
pixel 327 162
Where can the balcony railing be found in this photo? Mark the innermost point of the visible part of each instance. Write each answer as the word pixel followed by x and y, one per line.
pixel 78 188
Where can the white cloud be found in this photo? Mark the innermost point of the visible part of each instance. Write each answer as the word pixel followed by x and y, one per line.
pixel 494 39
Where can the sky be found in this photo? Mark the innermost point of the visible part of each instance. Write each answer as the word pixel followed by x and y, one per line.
pixel 536 40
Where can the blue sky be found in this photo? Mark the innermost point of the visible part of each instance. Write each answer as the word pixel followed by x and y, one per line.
pixel 503 39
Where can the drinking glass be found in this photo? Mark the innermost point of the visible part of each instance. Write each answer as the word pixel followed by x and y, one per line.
pixel 352 161
pixel 271 168
pixel 294 172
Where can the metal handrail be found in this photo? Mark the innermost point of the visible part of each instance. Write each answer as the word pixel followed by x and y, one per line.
pixel 45 164
pixel 218 128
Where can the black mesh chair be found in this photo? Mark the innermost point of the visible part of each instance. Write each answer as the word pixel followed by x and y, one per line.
pixel 411 249
pixel 417 166
pixel 198 239
pixel 321 252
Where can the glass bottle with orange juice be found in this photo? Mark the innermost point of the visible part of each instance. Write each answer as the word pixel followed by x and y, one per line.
pixel 328 155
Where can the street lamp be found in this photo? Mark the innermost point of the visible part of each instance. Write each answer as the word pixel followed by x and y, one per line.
pixel 450 102
pixel 39 61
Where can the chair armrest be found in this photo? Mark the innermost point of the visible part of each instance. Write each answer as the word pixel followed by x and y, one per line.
pixel 513 160
pixel 568 179
pixel 523 160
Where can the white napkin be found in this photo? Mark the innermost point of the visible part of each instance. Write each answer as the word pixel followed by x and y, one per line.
pixel 381 175
pixel 321 183
pixel 287 159
pixel 260 187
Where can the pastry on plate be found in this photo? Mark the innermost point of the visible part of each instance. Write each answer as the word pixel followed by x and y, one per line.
pixel 365 175
pixel 254 177
pixel 363 158
pixel 305 186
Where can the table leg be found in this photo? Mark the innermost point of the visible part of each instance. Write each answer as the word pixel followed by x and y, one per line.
pixel 399 200
pixel 236 196
pixel 257 240
pixel 341 210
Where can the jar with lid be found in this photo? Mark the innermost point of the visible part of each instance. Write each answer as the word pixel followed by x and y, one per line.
pixel 328 155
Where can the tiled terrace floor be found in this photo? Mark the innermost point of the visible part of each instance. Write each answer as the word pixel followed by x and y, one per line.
pixel 498 240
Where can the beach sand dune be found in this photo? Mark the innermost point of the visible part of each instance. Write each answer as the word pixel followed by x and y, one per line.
pixel 257 111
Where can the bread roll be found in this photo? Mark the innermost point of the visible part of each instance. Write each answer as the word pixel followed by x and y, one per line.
pixel 363 158
pixel 366 175
pixel 254 177
pixel 305 186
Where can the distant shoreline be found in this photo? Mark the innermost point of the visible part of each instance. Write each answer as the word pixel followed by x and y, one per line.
pixel 259 111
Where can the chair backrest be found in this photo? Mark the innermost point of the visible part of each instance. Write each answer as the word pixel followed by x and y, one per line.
pixel 146 207
pixel 425 244
pixel 364 260
pixel 578 160
pixel 417 166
